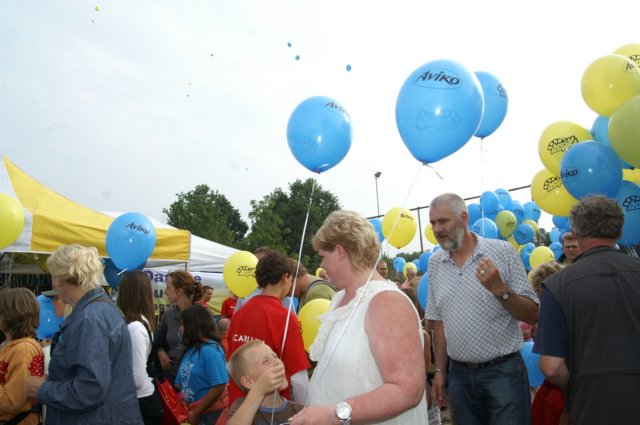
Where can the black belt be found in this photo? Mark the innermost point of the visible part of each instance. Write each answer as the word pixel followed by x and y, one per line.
pixel 493 362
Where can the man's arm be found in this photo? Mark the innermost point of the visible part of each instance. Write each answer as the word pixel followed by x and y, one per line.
pixel 555 370
pixel 441 358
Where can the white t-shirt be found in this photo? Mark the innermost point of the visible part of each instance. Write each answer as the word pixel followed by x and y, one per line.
pixel 140 349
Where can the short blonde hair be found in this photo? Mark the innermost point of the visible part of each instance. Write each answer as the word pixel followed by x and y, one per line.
pixel 541 273
pixel 238 363
pixel 77 265
pixel 354 233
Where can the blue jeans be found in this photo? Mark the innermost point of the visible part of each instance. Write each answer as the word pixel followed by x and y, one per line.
pixel 493 395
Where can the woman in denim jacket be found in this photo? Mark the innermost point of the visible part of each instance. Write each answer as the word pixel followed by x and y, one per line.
pixel 90 375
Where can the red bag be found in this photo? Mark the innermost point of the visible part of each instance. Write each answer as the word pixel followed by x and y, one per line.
pixel 175 409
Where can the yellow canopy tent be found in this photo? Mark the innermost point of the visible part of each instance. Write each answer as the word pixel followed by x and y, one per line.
pixel 51 220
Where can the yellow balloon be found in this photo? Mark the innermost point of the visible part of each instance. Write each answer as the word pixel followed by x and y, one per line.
pixel 608 82
pixel 513 243
pixel 309 319
pixel 556 139
pixel 399 226
pixel 632 51
pixel 408 266
pixel 506 222
pixel 624 131
pixel 549 193
pixel 11 220
pixel 533 224
pixel 631 175
pixel 428 233
pixel 239 273
pixel 540 255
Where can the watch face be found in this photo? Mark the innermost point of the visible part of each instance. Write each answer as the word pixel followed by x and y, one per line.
pixel 506 296
pixel 343 411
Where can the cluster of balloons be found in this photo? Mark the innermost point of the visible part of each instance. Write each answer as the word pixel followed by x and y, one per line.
pixel 441 105
pixel 580 162
pixel 11 220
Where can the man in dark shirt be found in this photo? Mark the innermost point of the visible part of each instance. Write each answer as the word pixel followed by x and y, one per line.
pixel 590 320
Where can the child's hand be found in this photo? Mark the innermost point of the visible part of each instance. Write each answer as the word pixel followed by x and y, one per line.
pixel 271 379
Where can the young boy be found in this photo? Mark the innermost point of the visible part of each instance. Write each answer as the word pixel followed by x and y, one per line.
pixel 258 371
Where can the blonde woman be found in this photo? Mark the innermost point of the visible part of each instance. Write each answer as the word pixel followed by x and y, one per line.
pixel 90 375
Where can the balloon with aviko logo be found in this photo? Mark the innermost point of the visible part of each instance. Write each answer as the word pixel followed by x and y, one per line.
pixel 550 194
pixel 239 273
pixel 439 109
pixel 556 139
pixel 130 240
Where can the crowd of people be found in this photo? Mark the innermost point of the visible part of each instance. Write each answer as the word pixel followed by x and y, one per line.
pixel 377 356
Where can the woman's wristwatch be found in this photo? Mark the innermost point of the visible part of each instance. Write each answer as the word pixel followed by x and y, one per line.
pixel 343 412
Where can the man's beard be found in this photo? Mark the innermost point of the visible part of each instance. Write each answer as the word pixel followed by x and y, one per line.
pixel 453 244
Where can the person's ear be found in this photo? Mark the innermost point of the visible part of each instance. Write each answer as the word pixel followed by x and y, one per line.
pixel 246 382
pixel 465 218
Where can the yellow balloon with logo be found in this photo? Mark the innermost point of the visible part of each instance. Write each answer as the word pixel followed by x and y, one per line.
pixel 239 273
pixel 533 224
pixel 608 82
pixel 506 222
pixel 632 51
pixel 309 317
pixel 624 131
pixel 540 255
pixel 399 226
pixel 428 233
pixel 631 175
pixel 556 139
pixel 11 220
pixel 550 194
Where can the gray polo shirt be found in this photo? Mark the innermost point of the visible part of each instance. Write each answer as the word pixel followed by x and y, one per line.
pixel 476 325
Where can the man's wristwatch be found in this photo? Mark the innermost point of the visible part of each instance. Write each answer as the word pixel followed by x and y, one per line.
pixel 343 412
pixel 504 296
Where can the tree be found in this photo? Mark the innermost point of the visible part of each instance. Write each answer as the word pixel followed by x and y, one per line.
pixel 278 219
pixel 208 214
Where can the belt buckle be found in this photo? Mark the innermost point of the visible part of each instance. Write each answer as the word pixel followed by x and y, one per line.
pixel 473 365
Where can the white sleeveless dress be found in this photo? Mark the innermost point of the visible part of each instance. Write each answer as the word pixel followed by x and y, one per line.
pixel 346 367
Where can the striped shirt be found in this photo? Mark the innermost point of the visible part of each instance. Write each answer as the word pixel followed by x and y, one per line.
pixel 477 327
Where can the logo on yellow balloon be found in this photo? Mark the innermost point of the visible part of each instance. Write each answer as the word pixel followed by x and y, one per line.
pixel 631 203
pixel 244 271
pixel 561 144
pixel 551 184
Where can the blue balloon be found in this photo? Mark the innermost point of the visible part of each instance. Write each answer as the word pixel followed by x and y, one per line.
pixel 475 213
pixel 524 234
pixel 438 110
pixel 524 256
pixel 424 261
pixel 113 275
pixel 554 235
pixel 288 300
pixel 529 247
pixel 590 168
pixel 562 223
pixel 629 198
pixel 398 264
pixel 518 210
pixel 488 202
pixel 377 225
pixel 417 263
pixel 495 103
pixel 130 240
pixel 436 248
pixel 49 322
pixel 532 361
pixel 423 291
pixel 556 248
pixel 486 228
pixel 532 211
pixel 319 133
pixel 493 214
pixel 600 133
pixel 504 197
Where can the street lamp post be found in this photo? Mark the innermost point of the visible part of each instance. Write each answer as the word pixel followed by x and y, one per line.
pixel 377 175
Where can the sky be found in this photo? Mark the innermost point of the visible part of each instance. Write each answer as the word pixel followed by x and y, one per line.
pixel 120 105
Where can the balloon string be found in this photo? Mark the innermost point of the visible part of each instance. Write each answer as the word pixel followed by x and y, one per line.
pixel 434 170
pixel 321 372
pixel 481 183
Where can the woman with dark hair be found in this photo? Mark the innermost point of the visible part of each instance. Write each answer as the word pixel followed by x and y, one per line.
pixel 202 376
pixel 19 315
pixel 135 299
pixel 183 291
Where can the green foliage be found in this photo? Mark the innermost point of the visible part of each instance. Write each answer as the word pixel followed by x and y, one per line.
pixel 278 219
pixel 208 214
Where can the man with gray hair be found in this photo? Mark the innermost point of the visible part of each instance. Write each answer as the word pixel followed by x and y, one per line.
pixel 478 291
pixel 590 320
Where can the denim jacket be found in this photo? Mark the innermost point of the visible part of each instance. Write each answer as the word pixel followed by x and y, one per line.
pixel 90 373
